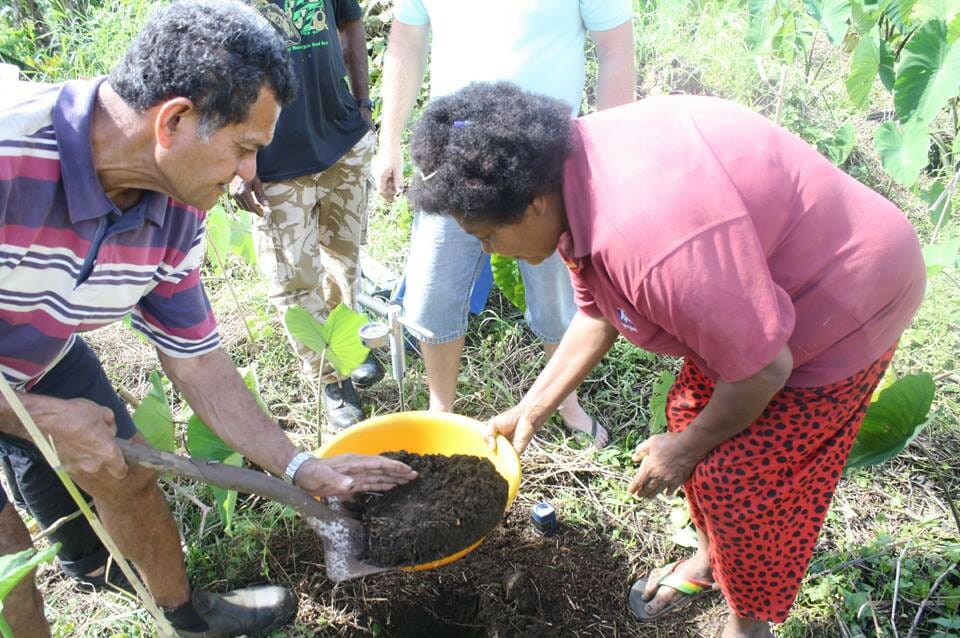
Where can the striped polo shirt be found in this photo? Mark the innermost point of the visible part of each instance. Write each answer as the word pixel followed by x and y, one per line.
pixel 70 260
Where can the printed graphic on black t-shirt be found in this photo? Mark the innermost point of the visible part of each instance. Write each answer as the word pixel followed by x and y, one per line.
pixel 323 122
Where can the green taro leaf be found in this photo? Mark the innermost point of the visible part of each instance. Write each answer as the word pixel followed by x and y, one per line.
pixel 305 328
pixel 203 443
pixel 937 206
pixel 241 238
pixel 14 567
pixel 899 12
pixel 218 235
pixel 903 154
pixel 338 337
pixel 506 275
pixel 893 420
pixel 153 417
pixel 227 499
pixel 945 10
pixel 887 60
pixel 864 14
pixel 940 256
pixel 838 147
pixel 864 66
pixel 832 15
pixel 658 403
pixel 928 75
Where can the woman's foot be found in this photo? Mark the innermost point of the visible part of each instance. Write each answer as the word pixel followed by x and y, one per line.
pixel 657 597
pixel 576 419
pixel 738 627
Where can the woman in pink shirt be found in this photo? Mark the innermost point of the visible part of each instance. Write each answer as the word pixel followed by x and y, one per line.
pixel 694 227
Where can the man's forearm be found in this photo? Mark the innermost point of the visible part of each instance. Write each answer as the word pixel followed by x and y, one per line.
pixel 214 389
pixel 35 404
pixel 354 42
pixel 616 75
pixel 734 406
pixel 404 64
pixel 584 344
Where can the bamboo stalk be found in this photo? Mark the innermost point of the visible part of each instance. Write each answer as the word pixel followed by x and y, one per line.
pixel 50 455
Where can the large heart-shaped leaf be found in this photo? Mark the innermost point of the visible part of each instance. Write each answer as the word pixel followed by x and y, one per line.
pixel 658 402
pixel 864 14
pixel 153 417
pixel 341 331
pixel 928 74
pixel 760 31
pixel 14 567
pixel 838 147
pixel 305 328
pixel 903 154
pixel 943 255
pixel 893 420
pixel 945 10
pixel 864 66
pixel 241 238
pixel 338 337
pixel 506 275
pixel 832 16
pixel 227 499
pixel 938 206
pixel 217 236
pixel 899 13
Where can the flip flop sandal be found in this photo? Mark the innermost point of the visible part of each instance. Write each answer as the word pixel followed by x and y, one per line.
pixel 595 428
pixel 691 588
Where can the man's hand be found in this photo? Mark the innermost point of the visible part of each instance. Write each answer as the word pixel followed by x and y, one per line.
pixel 367 117
pixel 250 196
pixel 83 435
pixel 349 474
pixel 515 425
pixel 388 171
pixel 666 461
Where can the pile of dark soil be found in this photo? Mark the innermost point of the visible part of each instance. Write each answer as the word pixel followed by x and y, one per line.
pixel 455 501
pixel 517 584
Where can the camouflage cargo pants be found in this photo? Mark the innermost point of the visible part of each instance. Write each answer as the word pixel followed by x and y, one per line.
pixel 308 247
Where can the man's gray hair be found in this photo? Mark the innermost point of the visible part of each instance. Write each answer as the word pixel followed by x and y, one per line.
pixel 217 53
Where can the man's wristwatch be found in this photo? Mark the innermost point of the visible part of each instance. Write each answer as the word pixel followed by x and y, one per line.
pixel 298 459
pixel 365 103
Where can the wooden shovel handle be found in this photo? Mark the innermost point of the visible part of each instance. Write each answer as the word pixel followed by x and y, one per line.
pixel 227 477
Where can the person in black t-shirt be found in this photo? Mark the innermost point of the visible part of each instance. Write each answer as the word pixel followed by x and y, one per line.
pixel 312 185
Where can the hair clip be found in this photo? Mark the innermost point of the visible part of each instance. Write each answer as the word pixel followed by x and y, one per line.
pixel 425 178
pixel 462 123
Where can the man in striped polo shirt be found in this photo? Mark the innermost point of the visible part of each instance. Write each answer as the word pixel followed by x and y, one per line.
pixel 102 189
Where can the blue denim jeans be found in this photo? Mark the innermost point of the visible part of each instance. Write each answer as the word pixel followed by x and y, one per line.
pixel 77 375
pixel 443 264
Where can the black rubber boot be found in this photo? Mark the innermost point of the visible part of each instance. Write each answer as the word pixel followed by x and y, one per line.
pixel 251 611
pixel 342 405
pixel 367 373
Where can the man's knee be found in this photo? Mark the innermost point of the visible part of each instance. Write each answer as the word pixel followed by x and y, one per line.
pixel 14 536
pixel 106 489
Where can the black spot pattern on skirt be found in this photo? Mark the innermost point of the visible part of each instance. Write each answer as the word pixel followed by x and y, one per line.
pixel 762 496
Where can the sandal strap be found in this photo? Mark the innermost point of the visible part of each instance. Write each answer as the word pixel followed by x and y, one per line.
pixel 690 586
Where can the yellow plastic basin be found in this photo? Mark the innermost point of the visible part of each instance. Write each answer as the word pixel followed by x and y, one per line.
pixel 428 433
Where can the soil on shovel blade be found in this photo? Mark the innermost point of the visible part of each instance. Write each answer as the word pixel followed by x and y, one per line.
pixel 454 502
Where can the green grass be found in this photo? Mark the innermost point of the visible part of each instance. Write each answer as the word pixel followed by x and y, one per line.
pixel 878 514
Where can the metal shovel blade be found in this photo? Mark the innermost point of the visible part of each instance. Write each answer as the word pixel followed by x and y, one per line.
pixel 342 545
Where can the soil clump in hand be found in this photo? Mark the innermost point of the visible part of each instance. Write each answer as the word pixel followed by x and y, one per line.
pixel 454 502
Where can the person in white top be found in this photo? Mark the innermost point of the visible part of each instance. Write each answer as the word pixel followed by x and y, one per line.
pixel 539 45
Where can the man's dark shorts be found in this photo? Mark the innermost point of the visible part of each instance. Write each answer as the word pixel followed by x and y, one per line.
pixel 77 375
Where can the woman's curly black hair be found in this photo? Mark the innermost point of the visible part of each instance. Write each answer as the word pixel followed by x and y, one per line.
pixel 219 54
pixel 486 151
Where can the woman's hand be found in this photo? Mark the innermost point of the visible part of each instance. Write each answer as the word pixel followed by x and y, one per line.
pixel 515 425
pixel 666 461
